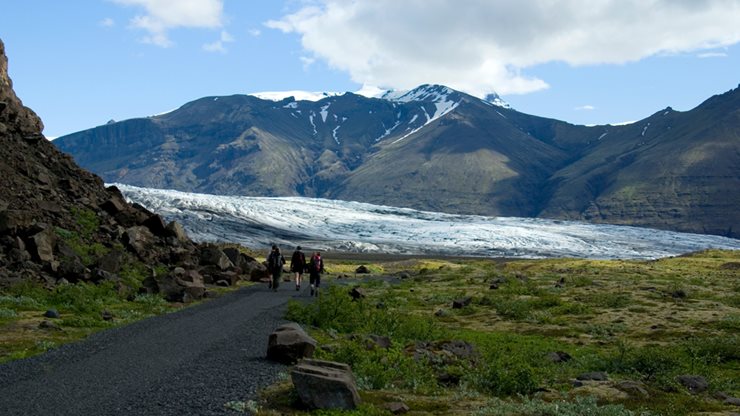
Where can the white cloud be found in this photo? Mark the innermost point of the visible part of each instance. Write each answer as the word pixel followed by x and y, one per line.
pixel 307 61
pixel 254 32
pixel 481 45
pixel 585 108
pixel 107 22
pixel 218 46
pixel 163 15
pixel 712 55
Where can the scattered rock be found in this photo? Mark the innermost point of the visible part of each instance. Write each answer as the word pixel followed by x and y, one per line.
pixel 106 315
pixel 289 343
pixel 441 313
pixel 695 384
pixel 493 286
pixel 633 388
pixel 679 294
pixel 357 293
pixel 396 408
pixel 52 313
pixel 376 341
pixel 462 302
pixel 325 385
pixel 596 376
pixel 404 275
pixel 558 357
pixel 362 270
pixel 49 325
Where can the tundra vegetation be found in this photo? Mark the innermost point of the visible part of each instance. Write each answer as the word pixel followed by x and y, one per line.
pixel 518 340
pixel 538 337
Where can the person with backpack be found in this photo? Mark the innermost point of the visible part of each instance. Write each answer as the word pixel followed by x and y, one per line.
pixel 315 268
pixel 275 263
pixel 297 266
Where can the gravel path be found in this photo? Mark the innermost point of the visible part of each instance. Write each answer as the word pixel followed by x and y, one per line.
pixel 190 362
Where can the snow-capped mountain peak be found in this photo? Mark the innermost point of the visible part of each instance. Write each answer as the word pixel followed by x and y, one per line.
pixel 494 99
pixel 296 94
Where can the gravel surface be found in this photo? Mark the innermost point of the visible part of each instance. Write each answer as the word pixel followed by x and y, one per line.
pixel 190 362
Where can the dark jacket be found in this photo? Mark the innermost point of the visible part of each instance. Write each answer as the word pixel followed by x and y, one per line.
pixel 297 262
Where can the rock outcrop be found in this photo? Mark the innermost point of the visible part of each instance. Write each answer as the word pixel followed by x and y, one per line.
pixel 58 222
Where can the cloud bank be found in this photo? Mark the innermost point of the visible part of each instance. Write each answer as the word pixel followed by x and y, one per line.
pixel 163 15
pixel 480 46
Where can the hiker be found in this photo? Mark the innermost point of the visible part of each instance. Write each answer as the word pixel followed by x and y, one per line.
pixel 275 263
pixel 297 266
pixel 315 268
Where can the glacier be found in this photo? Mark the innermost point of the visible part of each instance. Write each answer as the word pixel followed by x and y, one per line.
pixel 331 225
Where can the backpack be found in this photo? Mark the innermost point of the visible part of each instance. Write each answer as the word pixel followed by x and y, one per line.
pixel 275 261
pixel 316 263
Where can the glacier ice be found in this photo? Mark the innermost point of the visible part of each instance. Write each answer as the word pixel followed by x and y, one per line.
pixel 332 225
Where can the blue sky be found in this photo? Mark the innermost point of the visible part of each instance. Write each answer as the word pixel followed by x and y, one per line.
pixel 81 63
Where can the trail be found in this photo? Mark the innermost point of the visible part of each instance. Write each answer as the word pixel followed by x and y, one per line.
pixel 190 362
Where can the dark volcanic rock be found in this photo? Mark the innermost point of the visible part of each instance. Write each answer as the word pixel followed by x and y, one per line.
pixel 59 224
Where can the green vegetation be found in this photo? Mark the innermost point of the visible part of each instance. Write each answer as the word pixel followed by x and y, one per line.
pixel 83 309
pixel 643 323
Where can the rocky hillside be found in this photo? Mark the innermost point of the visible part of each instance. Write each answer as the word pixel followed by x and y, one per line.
pixel 434 148
pixel 59 224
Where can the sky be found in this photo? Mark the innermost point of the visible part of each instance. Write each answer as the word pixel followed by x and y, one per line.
pixel 81 63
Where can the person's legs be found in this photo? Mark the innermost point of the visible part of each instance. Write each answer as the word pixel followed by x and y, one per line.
pixel 312 280
pixel 297 280
pixel 275 280
pixel 318 282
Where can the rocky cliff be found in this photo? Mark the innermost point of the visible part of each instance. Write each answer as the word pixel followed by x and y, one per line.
pixel 59 224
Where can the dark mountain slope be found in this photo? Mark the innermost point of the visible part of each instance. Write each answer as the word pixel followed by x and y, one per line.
pixel 438 149
pixel 677 170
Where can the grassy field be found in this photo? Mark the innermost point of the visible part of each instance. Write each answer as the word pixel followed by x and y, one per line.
pixel 532 327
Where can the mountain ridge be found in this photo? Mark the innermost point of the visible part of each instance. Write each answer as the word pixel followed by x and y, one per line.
pixel 435 148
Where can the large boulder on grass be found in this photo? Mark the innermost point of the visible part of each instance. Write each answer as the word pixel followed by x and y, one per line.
pixel 289 343
pixel 325 385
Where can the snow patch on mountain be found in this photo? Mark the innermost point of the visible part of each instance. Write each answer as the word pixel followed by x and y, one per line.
pixel 354 226
pixel 296 94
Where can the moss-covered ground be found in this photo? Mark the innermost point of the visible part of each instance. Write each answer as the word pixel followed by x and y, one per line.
pixel 643 323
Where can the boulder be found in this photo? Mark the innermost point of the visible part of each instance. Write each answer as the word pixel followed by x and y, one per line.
pixel 362 270
pixel 139 240
pixel 156 225
pixel 357 293
pixel 462 302
pixel 325 385
pixel 211 255
pixel 377 341
pixel 594 376
pixel 42 245
pixel 695 384
pixel 558 357
pixel 289 343
pixel 396 408
pixel 174 229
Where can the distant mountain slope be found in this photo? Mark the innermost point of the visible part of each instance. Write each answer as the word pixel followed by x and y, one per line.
pixel 434 148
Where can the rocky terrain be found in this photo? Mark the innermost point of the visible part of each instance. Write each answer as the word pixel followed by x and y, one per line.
pixel 437 149
pixel 59 224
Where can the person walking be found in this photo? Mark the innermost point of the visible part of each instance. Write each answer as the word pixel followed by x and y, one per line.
pixel 297 266
pixel 275 262
pixel 315 268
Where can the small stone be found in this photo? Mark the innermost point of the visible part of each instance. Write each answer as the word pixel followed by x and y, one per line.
pixel 558 357
pixel 106 315
pixel 595 376
pixel 397 408
pixel 49 325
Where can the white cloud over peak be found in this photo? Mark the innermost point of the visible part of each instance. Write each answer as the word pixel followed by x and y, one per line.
pixel 218 46
pixel 585 108
pixel 163 15
pixel 480 45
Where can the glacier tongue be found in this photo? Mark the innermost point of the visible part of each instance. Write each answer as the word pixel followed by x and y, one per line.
pixel 360 227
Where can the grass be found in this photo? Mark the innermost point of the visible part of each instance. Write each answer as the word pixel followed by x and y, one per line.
pixel 645 322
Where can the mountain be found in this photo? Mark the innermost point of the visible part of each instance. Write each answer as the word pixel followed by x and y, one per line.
pixel 60 225
pixel 434 148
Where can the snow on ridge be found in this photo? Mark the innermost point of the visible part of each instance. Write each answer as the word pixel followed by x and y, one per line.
pixel 296 94
pixel 354 226
pixel 324 112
